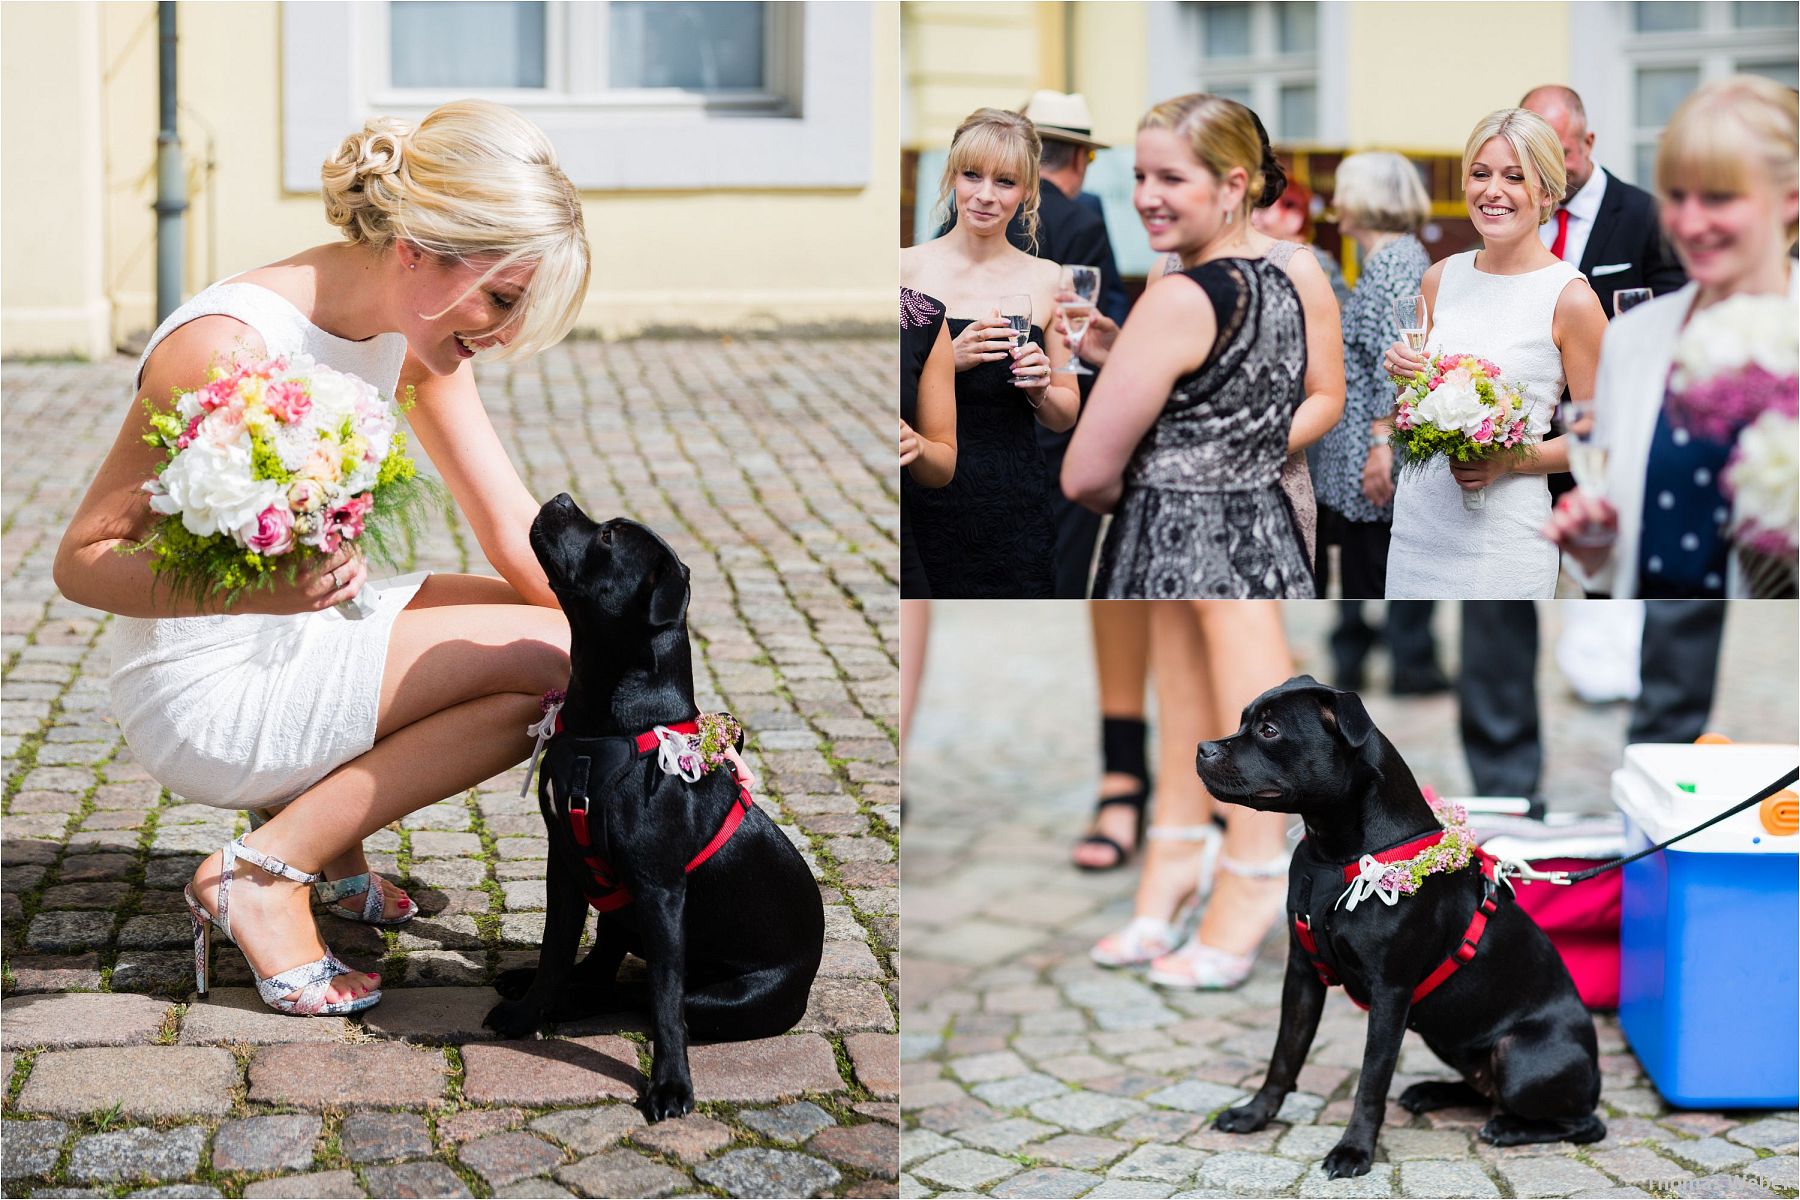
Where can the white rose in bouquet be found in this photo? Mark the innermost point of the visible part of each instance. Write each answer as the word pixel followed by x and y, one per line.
pixel 1455 404
pixel 213 488
pixel 1737 333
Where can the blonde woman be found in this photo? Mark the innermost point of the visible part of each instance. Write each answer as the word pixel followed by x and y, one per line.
pixel 1518 305
pixel 988 531
pixel 461 238
pixel 1726 183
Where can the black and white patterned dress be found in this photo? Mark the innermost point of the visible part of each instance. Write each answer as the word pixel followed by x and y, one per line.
pixel 1203 514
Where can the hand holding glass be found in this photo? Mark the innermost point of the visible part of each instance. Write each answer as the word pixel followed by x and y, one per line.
pixel 1082 287
pixel 1016 312
pixel 1409 315
pixel 1587 462
pixel 1629 298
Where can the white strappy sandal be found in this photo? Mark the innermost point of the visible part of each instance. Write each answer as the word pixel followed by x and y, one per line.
pixel 1146 938
pixel 1200 967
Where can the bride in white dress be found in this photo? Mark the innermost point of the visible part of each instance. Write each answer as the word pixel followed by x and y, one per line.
pixel 1516 304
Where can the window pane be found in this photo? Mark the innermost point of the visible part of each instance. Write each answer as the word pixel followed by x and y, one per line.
pixel 700 47
pixel 478 44
pixel 1299 113
pixel 1659 90
pixel 1783 73
pixel 1225 30
pixel 1297 27
pixel 1235 91
pixel 1646 166
pixel 1766 14
pixel 1665 16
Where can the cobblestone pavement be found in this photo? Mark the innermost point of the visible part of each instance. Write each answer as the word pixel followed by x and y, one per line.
pixel 768 465
pixel 1028 1071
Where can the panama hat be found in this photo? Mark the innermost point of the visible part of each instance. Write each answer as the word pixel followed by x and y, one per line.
pixel 1062 116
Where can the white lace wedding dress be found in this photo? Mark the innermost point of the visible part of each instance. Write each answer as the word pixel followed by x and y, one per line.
pixel 1440 550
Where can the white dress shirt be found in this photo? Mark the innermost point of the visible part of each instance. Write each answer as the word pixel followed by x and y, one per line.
pixel 1583 208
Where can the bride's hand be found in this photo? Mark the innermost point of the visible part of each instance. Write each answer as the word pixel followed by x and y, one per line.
pixel 1401 362
pixel 1473 476
pixel 1577 513
pixel 318 585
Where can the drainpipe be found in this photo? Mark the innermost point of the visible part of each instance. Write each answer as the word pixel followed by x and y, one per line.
pixel 171 178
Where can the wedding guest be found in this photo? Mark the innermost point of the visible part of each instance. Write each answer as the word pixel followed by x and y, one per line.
pixel 927 418
pixel 1726 186
pixel 1191 420
pixel 988 532
pixel 1515 304
pixel 1121 632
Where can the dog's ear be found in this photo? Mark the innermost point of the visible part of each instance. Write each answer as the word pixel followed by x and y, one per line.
pixel 1353 721
pixel 669 596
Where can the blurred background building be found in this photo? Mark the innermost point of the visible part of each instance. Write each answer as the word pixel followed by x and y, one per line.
pixel 735 159
pixel 1327 78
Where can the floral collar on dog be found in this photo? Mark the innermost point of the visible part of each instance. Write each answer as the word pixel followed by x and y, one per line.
pixel 690 749
pixel 1393 873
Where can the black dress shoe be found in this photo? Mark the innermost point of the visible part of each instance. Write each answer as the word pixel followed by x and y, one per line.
pixel 1427 680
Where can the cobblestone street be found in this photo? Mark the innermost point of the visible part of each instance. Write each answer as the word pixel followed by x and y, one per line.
pixel 768 465
pixel 1030 1072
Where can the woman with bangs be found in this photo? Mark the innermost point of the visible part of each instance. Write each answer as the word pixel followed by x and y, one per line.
pixel 988 532
pixel 461 238
pixel 1729 204
pixel 1516 304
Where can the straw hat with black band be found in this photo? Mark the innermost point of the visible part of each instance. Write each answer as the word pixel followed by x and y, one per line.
pixel 1062 117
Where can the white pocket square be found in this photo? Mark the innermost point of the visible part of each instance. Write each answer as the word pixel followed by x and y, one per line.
pixel 1610 269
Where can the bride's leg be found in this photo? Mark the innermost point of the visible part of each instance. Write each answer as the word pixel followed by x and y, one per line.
pixel 461 683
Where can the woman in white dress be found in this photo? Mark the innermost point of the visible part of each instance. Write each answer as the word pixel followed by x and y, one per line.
pixel 462 237
pixel 1516 304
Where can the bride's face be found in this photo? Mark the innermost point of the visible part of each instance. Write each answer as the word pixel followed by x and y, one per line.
pixel 1502 193
pixel 1181 203
pixel 442 343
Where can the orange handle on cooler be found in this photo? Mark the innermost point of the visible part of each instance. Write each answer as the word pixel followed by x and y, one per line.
pixel 1780 814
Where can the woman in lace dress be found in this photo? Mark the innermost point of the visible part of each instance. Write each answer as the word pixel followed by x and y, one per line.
pixel 461 238
pixel 1518 305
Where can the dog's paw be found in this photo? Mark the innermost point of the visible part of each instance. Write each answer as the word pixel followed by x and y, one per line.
pixel 515 983
pixel 1345 1162
pixel 511 1019
pixel 1430 1095
pixel 670 1098
pixel 1247 1118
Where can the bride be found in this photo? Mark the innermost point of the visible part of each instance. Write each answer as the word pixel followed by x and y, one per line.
pixel 1514 303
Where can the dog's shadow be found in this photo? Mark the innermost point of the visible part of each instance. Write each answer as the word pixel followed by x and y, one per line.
pixel 574 1054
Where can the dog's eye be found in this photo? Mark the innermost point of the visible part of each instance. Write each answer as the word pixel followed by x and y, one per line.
pixel 1267 731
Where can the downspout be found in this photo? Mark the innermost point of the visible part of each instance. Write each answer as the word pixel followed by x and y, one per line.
pixel 171 178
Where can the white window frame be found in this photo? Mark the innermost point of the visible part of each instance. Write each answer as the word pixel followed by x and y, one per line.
pixel 809 128
pixel 1178 65
pixel 1610 50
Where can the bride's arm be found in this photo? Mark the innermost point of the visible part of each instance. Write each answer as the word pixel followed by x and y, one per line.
pixel 454 430
pixel 1577 327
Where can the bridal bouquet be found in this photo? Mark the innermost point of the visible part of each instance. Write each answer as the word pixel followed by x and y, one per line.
pixel 1736 380
pixel 1456 407
pixel 270 464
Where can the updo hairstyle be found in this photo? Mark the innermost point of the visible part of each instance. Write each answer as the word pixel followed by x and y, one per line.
pixel 995 141
pixel 477 183
pixel 1538 149
pixel 1224 135
pixel 1722 132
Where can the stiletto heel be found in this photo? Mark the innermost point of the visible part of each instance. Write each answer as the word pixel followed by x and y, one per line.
pixel 309 981
pixel 1198 966
pixel 1146 938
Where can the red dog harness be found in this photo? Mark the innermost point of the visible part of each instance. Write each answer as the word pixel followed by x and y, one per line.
pixel 609 894
pixel 1465 949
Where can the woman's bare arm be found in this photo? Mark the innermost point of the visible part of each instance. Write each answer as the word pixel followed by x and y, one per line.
pixel 936 415
pixel 1324 403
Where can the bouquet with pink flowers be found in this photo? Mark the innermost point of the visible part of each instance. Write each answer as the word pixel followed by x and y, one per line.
pixel 270 464
pixel 1457 407
pixel 1737 379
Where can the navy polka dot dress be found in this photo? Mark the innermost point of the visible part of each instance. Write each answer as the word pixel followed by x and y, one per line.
pixel 1683 552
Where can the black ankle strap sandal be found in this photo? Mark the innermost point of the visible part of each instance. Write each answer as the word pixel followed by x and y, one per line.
pixel 1121 753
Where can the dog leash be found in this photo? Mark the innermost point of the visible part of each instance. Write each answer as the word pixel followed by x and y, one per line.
pixel 1518 869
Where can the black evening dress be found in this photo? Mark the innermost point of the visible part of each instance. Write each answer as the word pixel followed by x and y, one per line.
pixel 1203 515
pixel 988 533
pixel 921 317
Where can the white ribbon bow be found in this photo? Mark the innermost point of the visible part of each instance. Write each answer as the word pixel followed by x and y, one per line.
pixel 1367 884
pixel 542 731
pixel 676 756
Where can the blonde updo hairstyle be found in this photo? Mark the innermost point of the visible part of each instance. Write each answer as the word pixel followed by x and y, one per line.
pixel 1538 149
pixel 1223 135
pixel 475 182
pixel 995 141
pixel 1721 133
pixel 1382 191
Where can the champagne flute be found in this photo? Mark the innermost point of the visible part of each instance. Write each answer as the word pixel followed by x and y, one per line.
pixel 1409 316
pixel 1629 298
pixel 1083 285
pixel 1016 311
pixel 1587 462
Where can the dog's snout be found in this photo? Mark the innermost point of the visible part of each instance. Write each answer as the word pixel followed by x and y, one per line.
pixel 1209 751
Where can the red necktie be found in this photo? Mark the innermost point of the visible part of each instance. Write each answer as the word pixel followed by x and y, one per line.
pixel 1562 232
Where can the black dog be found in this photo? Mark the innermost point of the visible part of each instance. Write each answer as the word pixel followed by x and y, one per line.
pixel 732 939
pixel 1505 1015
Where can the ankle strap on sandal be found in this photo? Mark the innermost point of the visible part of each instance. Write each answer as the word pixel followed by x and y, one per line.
pixel 1183 833
pixel 1274 868
pixel 268 862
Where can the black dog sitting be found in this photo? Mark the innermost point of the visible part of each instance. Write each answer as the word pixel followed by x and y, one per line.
pixel 1457 960
pixel 691 877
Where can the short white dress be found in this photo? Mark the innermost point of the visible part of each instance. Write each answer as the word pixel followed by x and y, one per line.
pixel 248 711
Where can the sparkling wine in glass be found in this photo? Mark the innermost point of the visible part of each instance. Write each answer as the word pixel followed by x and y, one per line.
pixel 1409 316
pixel 1016 311
pixel 1629 298
pixel 1587 462
pixel 1079 288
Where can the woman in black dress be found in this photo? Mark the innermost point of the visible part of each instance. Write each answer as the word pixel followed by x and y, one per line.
pixel 927 419
pixel 988 533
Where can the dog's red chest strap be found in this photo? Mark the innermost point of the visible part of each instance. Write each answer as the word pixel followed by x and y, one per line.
pixel 1465 948
pixel 610 894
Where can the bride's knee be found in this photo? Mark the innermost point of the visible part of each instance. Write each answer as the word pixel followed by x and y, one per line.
pixel 539 664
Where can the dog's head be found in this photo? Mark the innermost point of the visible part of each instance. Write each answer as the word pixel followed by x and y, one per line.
pixel 1301 744
pixel 617 576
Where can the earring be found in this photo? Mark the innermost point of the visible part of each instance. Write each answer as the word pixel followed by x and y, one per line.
pixel 1228 216
pixel 412 266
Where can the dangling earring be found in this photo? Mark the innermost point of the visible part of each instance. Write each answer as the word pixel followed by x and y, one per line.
pixel 1228 216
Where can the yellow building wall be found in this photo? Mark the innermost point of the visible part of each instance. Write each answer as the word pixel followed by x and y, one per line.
pixel 962 56
pixel 741 260
pixel 1423 73
pixel 1112 42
